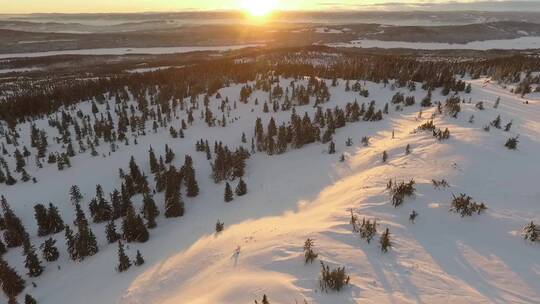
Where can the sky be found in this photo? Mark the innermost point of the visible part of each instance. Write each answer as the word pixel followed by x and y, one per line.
pixel 106 6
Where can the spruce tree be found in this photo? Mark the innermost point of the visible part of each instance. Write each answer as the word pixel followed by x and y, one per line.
pixel 56 224
pixel 174 206
pixel 139 260
pixel 15 233
pixel 123 260
pixel 331 147
pixel 75 194
pixel 85 240
pixel 49 251
pixel 32 263
pixel 42 219
pixel 241 188
pixel 385 241
pixel 228 196
pixel 70 243
pixel 110 230
pixel 28 299
pixel 3 248
pixel 149 211
pixel 133 228
pixel 12 283
pixel 192 188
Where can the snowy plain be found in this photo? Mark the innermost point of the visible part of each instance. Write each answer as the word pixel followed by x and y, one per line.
pixel 522 43
pixel 309 193
pixel 127 51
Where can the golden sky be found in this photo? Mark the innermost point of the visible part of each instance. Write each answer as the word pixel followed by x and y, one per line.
pixel 102 6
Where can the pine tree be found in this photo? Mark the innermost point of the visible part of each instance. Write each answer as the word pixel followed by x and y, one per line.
pixel 384 156
pixel 3 248
pixel 32 263
pixel 174 206
pixel 228 196
pixel 85 240
pixel 192 188
pixel 154 166
pixel 15 233
pixel 56 224
pixel 42 219
pixel 123 260
pixel 331 147
pixel 70 243
pixel 133 228
pixel 110 231
pixel 149 211
pixel 75 194
pixel 139 260
pixel 12 283
pixel 241 188
pixel 385 241
pixel 49 251
pixel 28 299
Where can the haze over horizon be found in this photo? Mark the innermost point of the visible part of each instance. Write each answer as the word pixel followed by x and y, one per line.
pixel 125 6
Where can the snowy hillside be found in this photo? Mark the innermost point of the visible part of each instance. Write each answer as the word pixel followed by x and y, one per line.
pixel 306 192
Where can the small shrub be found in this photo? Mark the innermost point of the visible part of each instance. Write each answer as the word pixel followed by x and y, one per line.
pixel 400 191
pixel 531 232
pixel 219 226
pixel 512 142
pixel 466 206
pixel 334 279
pixel 309 254
pixel 440 184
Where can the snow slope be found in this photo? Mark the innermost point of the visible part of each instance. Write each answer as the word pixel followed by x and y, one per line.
pixel 309 193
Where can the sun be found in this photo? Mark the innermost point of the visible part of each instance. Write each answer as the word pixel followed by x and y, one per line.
pixel 258 8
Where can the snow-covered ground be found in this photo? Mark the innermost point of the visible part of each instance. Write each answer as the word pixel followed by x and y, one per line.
pixel 522 43
pixel 126 51
pixel 305 193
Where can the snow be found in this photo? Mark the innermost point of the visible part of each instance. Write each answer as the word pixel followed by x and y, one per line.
pixel 521 43
pixel 309 193
pixel 325 30
pixel 19 70
pixel 152 69
pixel 125 51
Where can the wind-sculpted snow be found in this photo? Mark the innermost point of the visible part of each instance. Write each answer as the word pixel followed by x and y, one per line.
pixel 308 193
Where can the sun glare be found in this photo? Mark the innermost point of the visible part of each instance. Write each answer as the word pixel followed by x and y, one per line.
pixel 259 9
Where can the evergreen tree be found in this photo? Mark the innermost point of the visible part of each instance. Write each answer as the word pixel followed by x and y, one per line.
pixel 3 248
pixel 174 206
pixel 75 194
pixel 139 260
pixel 85 240
pixel 331 147
pixel 384 156
pixel 40 214
pixel 385 241
pixel 49 251
pixel 228 196
pixel 15 234
pixel 133 228
pixel 241 188
pixel 110 230
pixel 123 260
pixel 70 243
pixel 28 299
pixel 56 224
pixel 32 263
pixel 192 188
pixel 149 211
pixel 12 283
